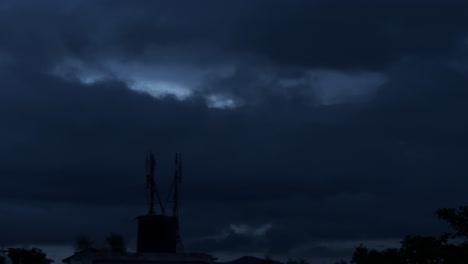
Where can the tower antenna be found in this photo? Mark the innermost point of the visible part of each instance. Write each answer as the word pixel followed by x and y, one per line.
pixel 177 181
pixel 177 174
pixel 159 233
pixel 151 184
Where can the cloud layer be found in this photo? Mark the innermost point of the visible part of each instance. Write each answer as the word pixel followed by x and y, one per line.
pixel 304 126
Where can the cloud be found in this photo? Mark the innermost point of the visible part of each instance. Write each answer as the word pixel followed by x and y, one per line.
pixel 334 127
pixel 306 170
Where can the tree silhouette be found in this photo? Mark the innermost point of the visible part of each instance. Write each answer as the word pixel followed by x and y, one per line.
pixel 28 256
pixel 83 243
pixel 116 243
pixel 457 219
pixel 391 256
pixel 341 262
pixel 360 255
pixel 424 249
pixel 267 260
pixel 295 261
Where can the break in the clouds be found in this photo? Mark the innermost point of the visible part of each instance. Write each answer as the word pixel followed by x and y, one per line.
pixel 306 127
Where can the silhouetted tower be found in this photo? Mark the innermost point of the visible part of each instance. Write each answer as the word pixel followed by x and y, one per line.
pixel 177 181
pixel 158 233
pixel 151 184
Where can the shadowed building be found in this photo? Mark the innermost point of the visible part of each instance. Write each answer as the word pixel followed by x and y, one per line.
pixel 158 239
pixel 162 227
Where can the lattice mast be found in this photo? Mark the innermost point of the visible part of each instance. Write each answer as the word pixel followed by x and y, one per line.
pixel 175 208
pixel 152 190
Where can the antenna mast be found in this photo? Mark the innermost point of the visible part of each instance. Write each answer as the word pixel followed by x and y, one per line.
pixel 178 171
pixel 177 181
pixel 151 185
pixel 160 233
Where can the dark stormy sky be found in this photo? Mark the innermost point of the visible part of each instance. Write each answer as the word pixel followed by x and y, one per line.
pixel 306 127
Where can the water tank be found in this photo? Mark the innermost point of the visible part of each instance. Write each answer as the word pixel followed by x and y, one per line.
pixel 157 234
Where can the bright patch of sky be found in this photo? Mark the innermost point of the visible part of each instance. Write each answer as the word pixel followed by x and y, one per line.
pixel 156 80
pixel 334 87
pixel 215 101
pixel 331 87
pixel 72 68
pixel 160 89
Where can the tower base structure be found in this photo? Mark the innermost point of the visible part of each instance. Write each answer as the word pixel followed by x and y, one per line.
pixel 157 234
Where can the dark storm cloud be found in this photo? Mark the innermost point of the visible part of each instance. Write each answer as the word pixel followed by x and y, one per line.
pixel 76 144
pixel 72 155
pixel 331 34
